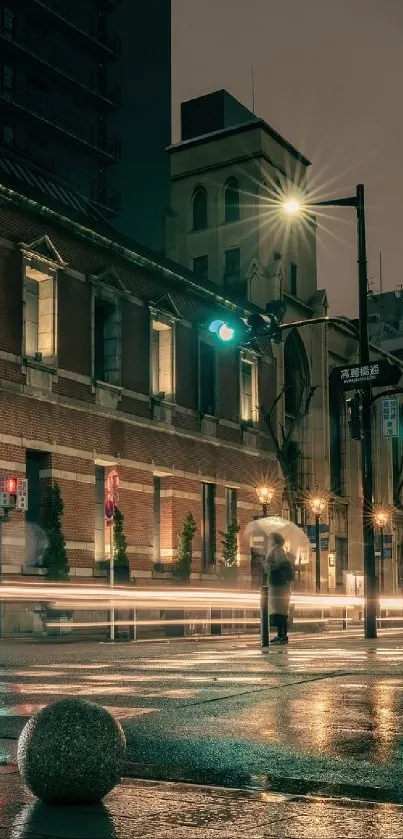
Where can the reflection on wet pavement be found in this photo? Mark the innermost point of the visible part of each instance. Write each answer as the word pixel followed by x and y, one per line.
pixel 317 710
pixel 141 810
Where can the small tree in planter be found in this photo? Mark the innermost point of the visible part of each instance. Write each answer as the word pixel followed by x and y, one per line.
pixel 182 566
pixel 120 547
pixel 55 557
pixel 181 569
pixel 121 566
pixel 229 550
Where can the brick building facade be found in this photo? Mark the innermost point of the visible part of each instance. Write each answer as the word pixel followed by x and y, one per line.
pixel 106 362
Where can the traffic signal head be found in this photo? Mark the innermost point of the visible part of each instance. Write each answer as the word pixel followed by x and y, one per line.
pixel 354 416
pixel 245 332
pixel 225 331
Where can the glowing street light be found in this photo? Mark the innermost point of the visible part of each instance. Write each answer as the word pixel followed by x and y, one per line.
pixel 265 495
pixel 318 504
pixel 292 206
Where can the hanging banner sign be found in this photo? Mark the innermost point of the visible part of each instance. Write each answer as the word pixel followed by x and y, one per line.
pixel 390 417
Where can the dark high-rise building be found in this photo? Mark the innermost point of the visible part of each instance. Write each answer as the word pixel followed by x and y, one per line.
pixel 85 113
pixel 144 119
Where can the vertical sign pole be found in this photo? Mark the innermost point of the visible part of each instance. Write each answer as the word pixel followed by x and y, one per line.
pixel 370 607
pixel 112 583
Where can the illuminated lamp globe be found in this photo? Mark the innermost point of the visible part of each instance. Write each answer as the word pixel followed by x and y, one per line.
pixel 292 206
pixel 318 504
pixel 265 494
pixel 381 518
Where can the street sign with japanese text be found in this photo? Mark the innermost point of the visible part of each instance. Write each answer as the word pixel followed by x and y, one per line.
pixel 390 417
pixel 377 373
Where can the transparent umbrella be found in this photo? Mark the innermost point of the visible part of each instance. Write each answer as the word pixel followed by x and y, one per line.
pixel 296 540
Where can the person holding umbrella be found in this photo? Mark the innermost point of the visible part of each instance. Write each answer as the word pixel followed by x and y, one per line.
pixel 279 566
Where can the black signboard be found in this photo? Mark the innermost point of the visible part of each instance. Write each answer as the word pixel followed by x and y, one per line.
pixel 377 373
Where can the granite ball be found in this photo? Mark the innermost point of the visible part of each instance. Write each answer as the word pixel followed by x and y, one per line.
pixel 71 752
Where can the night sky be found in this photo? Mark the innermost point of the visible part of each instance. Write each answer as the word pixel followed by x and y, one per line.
pixel 328 76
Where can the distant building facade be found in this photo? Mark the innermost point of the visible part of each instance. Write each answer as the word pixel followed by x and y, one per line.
pixel 107 363
pixel 228 174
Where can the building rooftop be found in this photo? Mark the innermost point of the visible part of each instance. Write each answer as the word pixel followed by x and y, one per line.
pixel 219 114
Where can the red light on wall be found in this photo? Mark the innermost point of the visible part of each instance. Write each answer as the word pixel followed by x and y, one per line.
pixel 12 486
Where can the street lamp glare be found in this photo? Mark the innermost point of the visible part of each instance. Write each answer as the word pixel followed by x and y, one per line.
pixel 265 493
pixel 292 206
pixel 318 504
pixel 381 518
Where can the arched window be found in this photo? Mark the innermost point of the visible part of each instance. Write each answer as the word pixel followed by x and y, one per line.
pixel 199 209
pixel 337 425
pixel 296 373
pixel 231 200
pixel 296 384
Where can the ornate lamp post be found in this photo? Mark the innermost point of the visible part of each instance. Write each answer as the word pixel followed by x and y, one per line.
pixel 265 495
pixel 318 504
pixel 381 518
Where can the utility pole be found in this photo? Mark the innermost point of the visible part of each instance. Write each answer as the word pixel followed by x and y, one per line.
pixel 366 443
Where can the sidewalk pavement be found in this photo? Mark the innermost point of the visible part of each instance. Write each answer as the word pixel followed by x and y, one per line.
pixel 153 810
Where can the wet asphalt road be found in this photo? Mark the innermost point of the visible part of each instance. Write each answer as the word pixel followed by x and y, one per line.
pixel 323 716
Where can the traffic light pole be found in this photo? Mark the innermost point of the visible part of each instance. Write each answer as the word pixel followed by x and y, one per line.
pixel 366 443
pixel 370 592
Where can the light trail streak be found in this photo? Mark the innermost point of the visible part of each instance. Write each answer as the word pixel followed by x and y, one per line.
pixel 189 599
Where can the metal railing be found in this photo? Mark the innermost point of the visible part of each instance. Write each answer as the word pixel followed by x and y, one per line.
pixel 108 40
pixel 50 54
pixel 64 119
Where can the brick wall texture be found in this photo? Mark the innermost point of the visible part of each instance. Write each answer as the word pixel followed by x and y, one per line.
pixel 61 412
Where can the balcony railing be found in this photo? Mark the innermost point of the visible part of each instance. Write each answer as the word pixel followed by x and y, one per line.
pixel 108 40
pixel 65 120
pixel 50 54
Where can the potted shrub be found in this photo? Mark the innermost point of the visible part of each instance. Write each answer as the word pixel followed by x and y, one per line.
pixel 181 570
pixel 228 567
pixel 121 559
pixel 121 570
pixel 55 621
pixel 229 542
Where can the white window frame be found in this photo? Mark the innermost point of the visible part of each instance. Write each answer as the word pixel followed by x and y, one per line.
pixel 44 276
pixel 160 323
pixel 247 357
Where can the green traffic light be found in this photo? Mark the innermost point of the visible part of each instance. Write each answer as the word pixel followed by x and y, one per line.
pixel 223 331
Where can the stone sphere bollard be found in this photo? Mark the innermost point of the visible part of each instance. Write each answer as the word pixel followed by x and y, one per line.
pixel 71 752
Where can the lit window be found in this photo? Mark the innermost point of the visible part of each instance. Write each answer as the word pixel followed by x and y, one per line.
pixel 40 331
pixel 230 504
pixel 207 379
pixel 231 201
pixel 199 209
pixel 249 389
pixel 162 360
pixel 99 513
pixel 107 341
